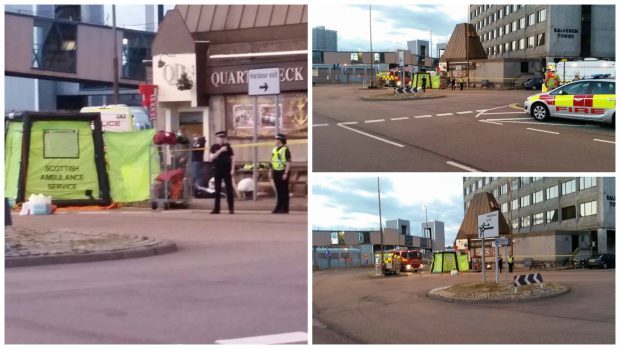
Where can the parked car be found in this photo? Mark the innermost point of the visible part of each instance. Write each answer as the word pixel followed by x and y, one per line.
pixel 533 84
pixel 602 261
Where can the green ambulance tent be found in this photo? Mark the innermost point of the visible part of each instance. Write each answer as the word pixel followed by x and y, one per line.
pixel 58 154
pixel 447 261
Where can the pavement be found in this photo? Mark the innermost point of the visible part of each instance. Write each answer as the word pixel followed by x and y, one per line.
pixel 470 130
pixel 234 278
pixel 349 306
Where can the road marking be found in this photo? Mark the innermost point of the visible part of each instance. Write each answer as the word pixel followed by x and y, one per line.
pixel 319 125
pixel 491 122
pixel 282 338
pixel 507 112
pixel 403 118
pixel 371 121
pixel 347 123
pixel 423 116
pixel 371 136
pixel 464 112
pixel 604 141
pixel 482 111
pixel 461 166
pixel 506 119
pixel 535 129
pixel 445 114
pixel 515 106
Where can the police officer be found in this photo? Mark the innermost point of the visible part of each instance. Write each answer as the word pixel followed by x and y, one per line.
pixel 280 171
pixel 223 159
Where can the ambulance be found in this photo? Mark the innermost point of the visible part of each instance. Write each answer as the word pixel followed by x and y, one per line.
pixel 591 100
pixel 121 118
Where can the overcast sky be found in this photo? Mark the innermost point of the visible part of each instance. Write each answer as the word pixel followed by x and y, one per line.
pixel 392 25
pixel 349 201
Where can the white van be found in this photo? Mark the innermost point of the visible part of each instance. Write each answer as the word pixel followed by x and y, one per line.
pixel 121 118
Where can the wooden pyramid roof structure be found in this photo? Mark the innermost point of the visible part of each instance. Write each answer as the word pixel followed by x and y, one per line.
pixel 481 203
pixel 464 44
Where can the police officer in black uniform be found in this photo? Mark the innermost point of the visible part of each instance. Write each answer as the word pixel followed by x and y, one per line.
pixel 280 171
pixel 223 159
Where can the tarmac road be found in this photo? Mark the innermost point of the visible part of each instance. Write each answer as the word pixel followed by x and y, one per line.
pixel 234 276
pixel 350 306
pixel 470 130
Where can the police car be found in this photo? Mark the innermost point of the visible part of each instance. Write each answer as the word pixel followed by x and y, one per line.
pixel 591 99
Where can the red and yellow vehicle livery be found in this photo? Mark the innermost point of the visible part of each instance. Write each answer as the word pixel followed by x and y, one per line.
pixel 593 100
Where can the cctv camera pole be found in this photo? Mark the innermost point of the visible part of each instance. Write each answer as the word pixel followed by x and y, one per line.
pixel 115 58
pixel 380 223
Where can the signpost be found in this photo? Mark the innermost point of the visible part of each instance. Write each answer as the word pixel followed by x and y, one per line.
pixel 488 226
pixel 401 64
pixel 263 82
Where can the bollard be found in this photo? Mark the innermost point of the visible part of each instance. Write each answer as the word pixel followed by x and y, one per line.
pixel 7 213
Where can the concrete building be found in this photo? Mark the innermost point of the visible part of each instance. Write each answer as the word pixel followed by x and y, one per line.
pixel 553 218
pixel 441 48
pixel 419 47
pixel 324 39
pixel 545 33
pixel 435 230
pixel 54 58
pixel 401 225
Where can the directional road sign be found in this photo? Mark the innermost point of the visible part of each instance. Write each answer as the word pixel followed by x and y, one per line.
pixel 264 82
pixel 488 225
pixel 502 241
pixel 528 279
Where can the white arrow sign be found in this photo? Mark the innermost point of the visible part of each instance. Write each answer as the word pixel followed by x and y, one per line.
pixel 488 224
pixel 264 82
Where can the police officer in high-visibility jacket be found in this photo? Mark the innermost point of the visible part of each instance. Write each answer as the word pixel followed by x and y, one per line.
pixel 280 171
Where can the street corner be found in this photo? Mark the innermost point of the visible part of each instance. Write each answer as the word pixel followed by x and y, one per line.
pixel 31 247
pixel 474 292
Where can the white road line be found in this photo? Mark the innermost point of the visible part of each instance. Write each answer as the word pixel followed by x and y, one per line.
pixel 508 112
pixel 397 119
pixel 461 166
pixel 372 121
pixel 506 119
pixel 282 338
pixel 464 112
pixel 537 130
pixel 371 136
pixel 604 141
pixel 319 125
pixel 482 111
pixel 445 114
pixel 347 123
pixel 491 122
pixel 423 116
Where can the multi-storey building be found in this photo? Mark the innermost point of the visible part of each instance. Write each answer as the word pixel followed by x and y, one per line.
pixel 553 217
pixel 324 39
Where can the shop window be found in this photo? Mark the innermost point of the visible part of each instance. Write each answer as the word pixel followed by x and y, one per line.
pixel 54 46
pixel 61 144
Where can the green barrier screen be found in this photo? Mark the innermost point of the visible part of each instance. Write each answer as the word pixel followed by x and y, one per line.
pixel 449 262
pixel 127 155
pixel 462 262
pixel 437 262
pixel 61 161
pixel 12 158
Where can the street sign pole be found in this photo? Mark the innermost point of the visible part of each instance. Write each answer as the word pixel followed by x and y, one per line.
pixel 484 266
pixel 255 155
pixel 496 264
pixel 508 268
pixel 278 116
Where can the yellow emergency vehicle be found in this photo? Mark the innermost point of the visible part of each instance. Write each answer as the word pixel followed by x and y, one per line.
pixel 121 118
pixel 592 99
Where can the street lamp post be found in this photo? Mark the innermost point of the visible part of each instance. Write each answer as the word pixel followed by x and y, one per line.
pixel 380 223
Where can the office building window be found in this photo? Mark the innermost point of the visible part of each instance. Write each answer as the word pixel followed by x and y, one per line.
pixel 507 10
pixel 467 191
pixel 531 41
pixel 531 20
pixel 514 204
pixel 484 21
pixel 467 205
pixel 537 197
pixel 494 16
pixel 569 212
pixel 526 180
pixel 495 192
pixel 522 23
pixel 552 192
pixel 569 187
pixel 494 33
pixel 525 201
pixel 542 15
pixel 540 39
pixel 503 189
pixel 506 29
pixel 536 179
pixel 514 185
pixel 480 183
pixel 537 219
pixel 587 182
pixel 499 49
pixel 515 223
pixel 500 13
pixel 515 26
pixel 552 216
pixel 587 209
pixel 525 221
pixel 501 31
pixel 514 8
pixel 505 207
pixel 507 47
pixel 54 46
pixel 514 45
pixel 521 44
